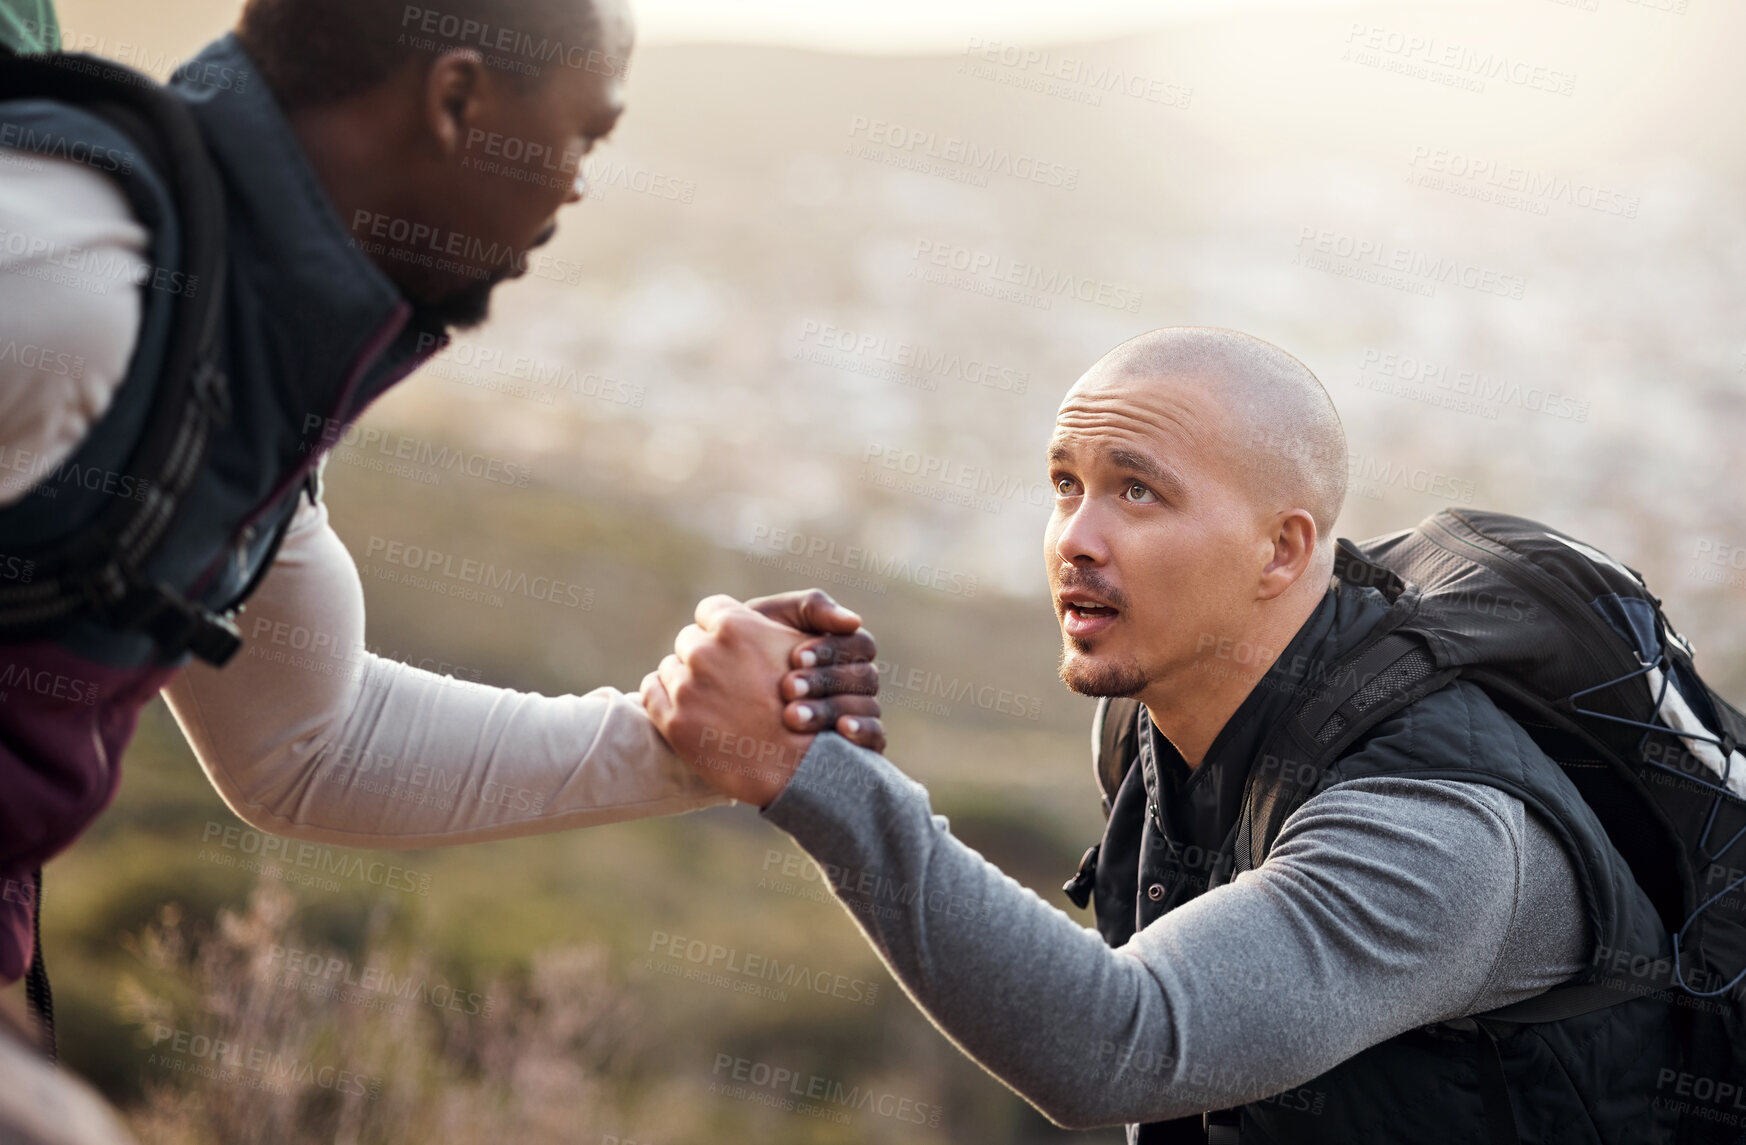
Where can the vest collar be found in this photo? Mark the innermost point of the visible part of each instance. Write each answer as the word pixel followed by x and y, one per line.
pixel 340 331
pixel 1201 807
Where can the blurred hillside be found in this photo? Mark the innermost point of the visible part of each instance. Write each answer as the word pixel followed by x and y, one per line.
pixel 1016 787
pixel 828 306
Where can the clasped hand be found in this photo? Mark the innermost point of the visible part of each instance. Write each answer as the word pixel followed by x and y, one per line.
pixel 746 689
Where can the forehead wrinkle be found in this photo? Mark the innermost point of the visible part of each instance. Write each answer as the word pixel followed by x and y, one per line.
pixel 1165 419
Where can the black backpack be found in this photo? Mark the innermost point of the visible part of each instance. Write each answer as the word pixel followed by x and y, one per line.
pixel 96 570
pixel 1573 646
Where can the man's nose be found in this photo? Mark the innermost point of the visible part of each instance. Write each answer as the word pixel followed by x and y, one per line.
pixel 1082 539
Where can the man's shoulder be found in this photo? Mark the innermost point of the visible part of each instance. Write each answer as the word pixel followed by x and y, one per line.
pixel 1457 728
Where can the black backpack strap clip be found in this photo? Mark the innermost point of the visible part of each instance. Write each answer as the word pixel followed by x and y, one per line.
pixel 175 623
pixel 209 387
pixel 1078 888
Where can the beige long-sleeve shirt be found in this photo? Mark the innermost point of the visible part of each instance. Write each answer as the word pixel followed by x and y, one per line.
pixel 303 735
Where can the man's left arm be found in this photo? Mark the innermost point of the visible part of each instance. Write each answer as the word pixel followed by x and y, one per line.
pixel 1386 904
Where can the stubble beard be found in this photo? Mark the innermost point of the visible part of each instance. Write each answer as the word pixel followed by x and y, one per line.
pixel 1088 677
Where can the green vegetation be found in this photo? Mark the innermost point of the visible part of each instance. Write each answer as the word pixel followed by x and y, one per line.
pixel 536 991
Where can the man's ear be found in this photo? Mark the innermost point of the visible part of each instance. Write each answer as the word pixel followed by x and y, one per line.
pixel 1294 547
pixel 453 88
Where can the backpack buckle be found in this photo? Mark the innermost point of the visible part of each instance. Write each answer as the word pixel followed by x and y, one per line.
pixel 175 623
pixel 1078 888
pixel 211 388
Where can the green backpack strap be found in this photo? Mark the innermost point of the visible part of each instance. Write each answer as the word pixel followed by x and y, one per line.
pixel 1113 745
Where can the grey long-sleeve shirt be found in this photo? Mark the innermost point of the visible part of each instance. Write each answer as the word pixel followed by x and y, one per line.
pixel 1385 904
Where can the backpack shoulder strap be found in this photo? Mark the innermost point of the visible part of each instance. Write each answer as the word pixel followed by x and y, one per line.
pixel 1113 743
pixel 1392 668
pixel 96 571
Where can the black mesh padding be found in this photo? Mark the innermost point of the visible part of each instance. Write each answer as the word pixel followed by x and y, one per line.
pixel 1394 679
pixel 1332 729
pixel 1398 677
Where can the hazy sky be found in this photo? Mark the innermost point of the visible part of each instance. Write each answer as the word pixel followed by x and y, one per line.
pixel 942 25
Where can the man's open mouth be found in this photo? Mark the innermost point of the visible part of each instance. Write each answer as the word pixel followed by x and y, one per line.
pixel 1082 615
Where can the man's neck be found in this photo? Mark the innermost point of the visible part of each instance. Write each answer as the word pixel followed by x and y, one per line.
pixel 1192 706
pixel 357 175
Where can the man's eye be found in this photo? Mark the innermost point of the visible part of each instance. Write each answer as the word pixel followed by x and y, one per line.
pixel 1063 486
pixel 1144 495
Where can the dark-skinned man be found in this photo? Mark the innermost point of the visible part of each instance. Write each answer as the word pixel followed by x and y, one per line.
pixel 343 139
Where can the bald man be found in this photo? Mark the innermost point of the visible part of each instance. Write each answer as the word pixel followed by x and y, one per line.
pixel 1197 475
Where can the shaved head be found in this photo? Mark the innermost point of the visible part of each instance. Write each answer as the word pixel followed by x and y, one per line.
pixel 1197 473
pixel 1281 423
